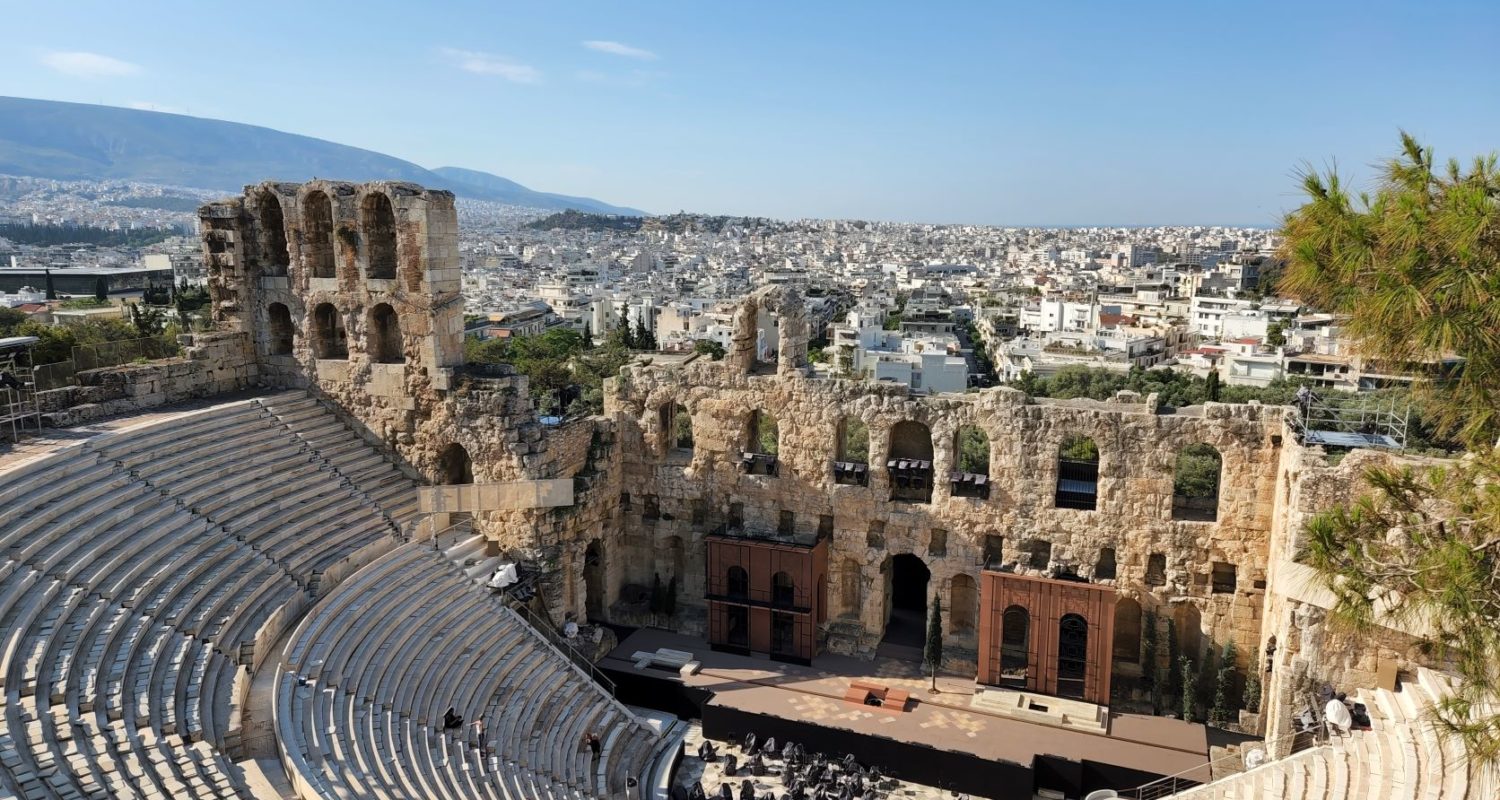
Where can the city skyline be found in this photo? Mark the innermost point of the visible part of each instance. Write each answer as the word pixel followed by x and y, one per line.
pixel 1171 114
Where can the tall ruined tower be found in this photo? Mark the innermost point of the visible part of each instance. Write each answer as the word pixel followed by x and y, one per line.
pixel 354 286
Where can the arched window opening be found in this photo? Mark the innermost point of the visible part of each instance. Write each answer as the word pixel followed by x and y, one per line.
pixel 1078 474
pixel 329 338
pixel 682 428
pixel 971 454
pixel 1195 484
pixel 1015 647
pixel 783 591
pixel 851 464
pixel 762 440
pixel 963 601
pixel 1104 568
pixel 1072 655
pixel 593 580
pixel 280 324
pixel 1127 645
pixel 737 582
pixel 852 583
pixel 909 462
pixel 273 235
pixel 379 222
pixel 455 466
pixel 385 335
pixel 1189 624
pixel 317 235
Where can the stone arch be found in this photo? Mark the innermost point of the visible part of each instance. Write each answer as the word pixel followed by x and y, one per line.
pixel 963 604
pixel 737 582
pixel 852 588
pixel 1072 655
pixel 909 454
pixel 763 433
pixel 790 313
pixel 593 579
pixel 1189 623
pixel 1077 474
pixel 330 341
pixel 676 558
pixel 317 235
pixel 783 589
pixel 908 583
pixel 384 335
pixel 279 322
pixel 1015 646
pixel 1127 644
pixel 378 219
pixel 1195 483
pixel 275 257
pixel 853 441
pixel 971 450
pixel 454 465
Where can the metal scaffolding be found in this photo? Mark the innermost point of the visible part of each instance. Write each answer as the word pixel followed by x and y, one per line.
pixel 19 411
pixel 1374 422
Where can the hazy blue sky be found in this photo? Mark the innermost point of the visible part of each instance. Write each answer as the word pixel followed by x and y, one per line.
pixel 1050 112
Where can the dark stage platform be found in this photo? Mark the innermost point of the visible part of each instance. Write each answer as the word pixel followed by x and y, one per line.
pixel 941 740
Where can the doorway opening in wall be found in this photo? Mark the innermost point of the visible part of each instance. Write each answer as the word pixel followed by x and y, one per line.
pixel 593 581
pixel 906 620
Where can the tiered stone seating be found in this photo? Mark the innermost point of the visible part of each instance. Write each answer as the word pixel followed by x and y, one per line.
pixel 1404 756
pixel 138 571
pixel 371 670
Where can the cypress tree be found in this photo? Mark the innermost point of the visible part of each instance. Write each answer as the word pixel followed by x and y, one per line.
pixel 932 654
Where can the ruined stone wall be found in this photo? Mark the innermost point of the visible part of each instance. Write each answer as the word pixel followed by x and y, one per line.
pixel 210 364
pixel 286 260
pixel 1308 648
pixel 693 493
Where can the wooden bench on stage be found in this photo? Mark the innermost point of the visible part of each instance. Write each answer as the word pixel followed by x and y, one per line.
pixel 891 701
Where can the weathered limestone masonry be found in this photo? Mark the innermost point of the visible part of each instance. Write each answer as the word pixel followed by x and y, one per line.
pixel 211 363
pixel 1309 651
pixel 677 497
pixel 352 290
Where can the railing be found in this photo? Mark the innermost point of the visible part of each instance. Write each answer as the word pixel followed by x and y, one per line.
pixel 541 626
pixel 109 354
pixel 1179 782
pixel 560 642
pixel 1369 422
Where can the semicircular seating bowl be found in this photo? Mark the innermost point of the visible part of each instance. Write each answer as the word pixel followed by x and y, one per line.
pixel 371 670
pixel 145 571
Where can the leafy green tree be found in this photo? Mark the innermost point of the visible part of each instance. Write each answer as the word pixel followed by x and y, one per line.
pixel 1197 473
pixel 1417 268
pixel 1224 681
pixel 10 319
pixel 932 652
pixel 1211 386
pixel 710 348
pixel 973 450
pixel 1188 678
pixel 148 320
pixel 644 338
pixel 1425 546
pixel 101 290
pixel 51 289
pixel 1276 334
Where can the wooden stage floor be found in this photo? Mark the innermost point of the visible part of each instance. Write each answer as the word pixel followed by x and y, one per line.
pixel 946 719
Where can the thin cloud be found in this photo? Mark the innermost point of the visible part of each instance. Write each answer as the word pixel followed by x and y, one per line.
pixel 80 64
pixel 620 49
pixel 487 64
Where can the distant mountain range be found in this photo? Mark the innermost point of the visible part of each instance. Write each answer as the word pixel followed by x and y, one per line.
pixel 76 141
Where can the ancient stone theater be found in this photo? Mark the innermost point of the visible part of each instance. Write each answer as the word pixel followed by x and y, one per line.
pixel 320 556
